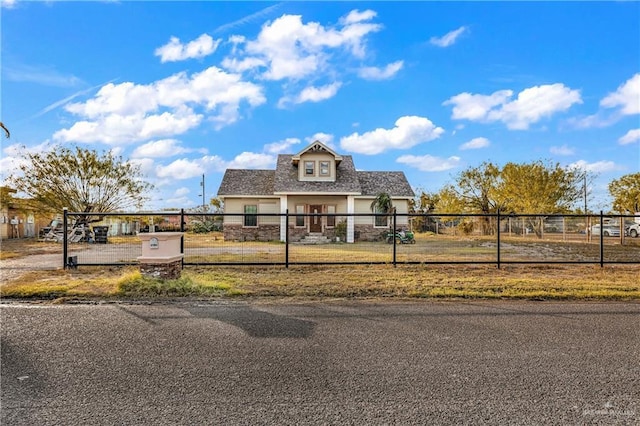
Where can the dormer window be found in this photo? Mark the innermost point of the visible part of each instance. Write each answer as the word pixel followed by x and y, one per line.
pixel 324 168
pixel 309 168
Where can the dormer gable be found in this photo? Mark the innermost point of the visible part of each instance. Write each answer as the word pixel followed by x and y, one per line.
pixel 317 163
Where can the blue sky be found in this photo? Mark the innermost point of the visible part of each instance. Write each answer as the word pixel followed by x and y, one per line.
pixel 428 88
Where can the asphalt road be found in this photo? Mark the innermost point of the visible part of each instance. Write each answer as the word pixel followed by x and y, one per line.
pixel 320 363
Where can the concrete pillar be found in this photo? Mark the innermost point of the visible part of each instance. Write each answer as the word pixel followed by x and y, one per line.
pixel 161 256
pixel 283 220
pixel 350 219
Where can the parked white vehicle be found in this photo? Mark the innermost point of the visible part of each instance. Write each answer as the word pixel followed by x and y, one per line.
pixel 607 230
pixel 633 230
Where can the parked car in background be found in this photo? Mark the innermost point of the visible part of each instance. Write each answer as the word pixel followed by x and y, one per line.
pixel 633 230
pixel 607 230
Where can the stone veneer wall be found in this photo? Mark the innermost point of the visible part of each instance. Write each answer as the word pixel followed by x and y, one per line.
pixel 261 233
pixel 369 233
pixel 272 233
pixel 164 271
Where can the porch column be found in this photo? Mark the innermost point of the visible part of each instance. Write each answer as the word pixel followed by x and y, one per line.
pixel 350 219
pixel 283 219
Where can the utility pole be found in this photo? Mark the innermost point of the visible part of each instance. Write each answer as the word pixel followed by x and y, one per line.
pixel 584 185
pixel 203 195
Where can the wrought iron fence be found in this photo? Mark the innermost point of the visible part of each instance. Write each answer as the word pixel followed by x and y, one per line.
pixel 111 239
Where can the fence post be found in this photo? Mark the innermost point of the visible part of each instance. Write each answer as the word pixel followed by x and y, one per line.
pixel 498 236
pixel 182 237
pixel 286 239
pixel 601 239
pixel 393 233
pixel 65 248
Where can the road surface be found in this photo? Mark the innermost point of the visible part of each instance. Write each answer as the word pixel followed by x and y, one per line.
pixel 201 363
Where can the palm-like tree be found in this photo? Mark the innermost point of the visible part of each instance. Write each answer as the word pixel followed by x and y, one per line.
pixel 382 204
pixel 5 130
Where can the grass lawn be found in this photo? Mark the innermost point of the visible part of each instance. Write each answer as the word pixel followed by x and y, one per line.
pixel 379 281
pixel 543 282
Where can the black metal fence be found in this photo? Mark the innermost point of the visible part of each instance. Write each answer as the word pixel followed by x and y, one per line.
pixel 112 238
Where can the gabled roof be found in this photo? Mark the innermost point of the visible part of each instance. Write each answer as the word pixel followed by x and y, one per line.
pixel 393 183
pixel 286 178
pixel 316 146
pixel 247 182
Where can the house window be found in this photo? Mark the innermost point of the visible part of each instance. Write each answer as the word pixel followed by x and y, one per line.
pixel 381 221
pixel 324 168
pixel 331 220
pixel 300 216
pixel 250 215
pixel 309 168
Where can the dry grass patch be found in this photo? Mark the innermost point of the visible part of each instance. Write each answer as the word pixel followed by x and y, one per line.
pixel 513 282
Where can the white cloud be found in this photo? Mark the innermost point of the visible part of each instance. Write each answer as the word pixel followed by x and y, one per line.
pixel 630 137
pixel 281 146
pixel 627 97
pixel 159 148
pixel 475 143
pixel 475 107
pixel 252 160
pixel 311 94
pixel 118 129
pixel 317 94
pixel 408 132
pixel 147 165
pixel 529 107
pixel 181 192
pixel 291 49
pixel 325 138
pixel 562 150
pixel 180 169
pixel 449 38
pixel 597 167
pixel 428 163
pixel 375 73
pixel 174 50
pixel 128 112
pixel 356 16
pixel 8 4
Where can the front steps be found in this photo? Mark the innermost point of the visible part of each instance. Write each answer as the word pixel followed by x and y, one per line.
pixel 314 238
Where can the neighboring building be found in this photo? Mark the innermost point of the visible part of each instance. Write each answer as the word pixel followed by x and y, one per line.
pixel 315 180
pixel 16 219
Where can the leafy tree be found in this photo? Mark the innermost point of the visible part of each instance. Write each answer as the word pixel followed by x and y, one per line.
pixel 424 203
pixel 476 187
pixel 626 193
pixel 449 201
pixel 6 195
pixel 217 204
pixel 539 188
pixel 81 180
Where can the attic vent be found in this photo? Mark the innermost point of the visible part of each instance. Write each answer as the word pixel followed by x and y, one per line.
pixel 317 148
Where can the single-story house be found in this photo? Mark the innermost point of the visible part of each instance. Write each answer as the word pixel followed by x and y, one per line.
pixel 316 180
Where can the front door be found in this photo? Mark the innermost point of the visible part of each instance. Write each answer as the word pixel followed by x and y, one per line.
pixel 315 224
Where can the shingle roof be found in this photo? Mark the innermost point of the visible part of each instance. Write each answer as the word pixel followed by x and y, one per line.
pixel 286 178
pixel 393 183
pixel 247 182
